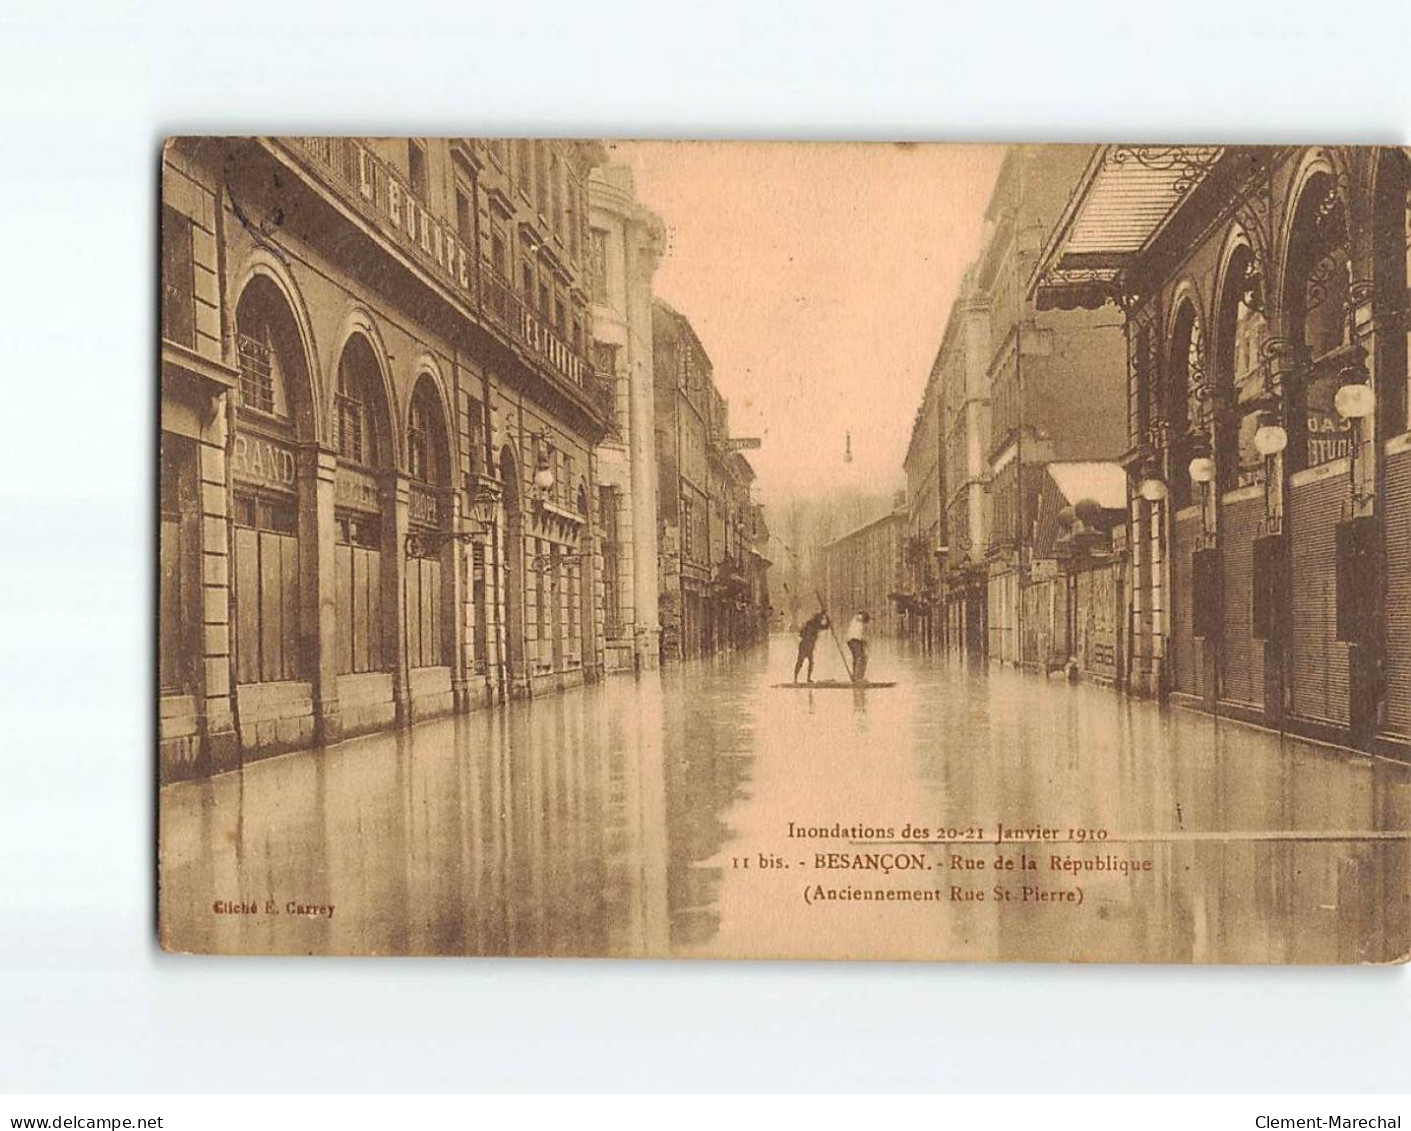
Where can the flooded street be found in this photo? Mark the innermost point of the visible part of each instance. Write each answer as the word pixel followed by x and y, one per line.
pixel 633 817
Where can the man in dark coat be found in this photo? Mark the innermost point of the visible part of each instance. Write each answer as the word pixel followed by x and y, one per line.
pixel 808 637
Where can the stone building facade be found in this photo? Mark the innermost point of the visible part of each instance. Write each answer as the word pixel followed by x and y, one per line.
pixel 864 569
pixel 711 530
pixel 379 426
pixel 625 243
pixel 1265 294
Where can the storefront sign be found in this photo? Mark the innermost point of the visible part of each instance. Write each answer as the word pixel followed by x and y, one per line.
pixel 1329 438
pixel 422 508
pixel 356 490
pixel 262 462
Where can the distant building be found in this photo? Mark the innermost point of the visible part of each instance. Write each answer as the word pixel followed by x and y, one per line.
pixel 1018 388
pixel 922 599
pixel 711 532
pixel 863 571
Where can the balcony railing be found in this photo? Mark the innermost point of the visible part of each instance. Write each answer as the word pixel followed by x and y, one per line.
pixel 509 310
pixel 382 196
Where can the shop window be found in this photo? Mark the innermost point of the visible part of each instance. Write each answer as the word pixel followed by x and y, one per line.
pixel 178 279
pixel 423 605
pixel 266 589
pixel 357 562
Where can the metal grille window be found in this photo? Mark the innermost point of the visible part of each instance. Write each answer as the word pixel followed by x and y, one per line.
pixel 256 371
pixel 352 434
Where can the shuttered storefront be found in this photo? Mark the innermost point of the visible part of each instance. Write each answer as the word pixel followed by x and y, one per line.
pixel 1098 598
pixel 1185 658
pixel 1039 628
pixel 1242 656
pixel 1319 675
pixel 1398 594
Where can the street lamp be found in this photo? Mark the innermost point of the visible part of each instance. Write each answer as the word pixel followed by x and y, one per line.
pixel 483 500
pixel 1354 401
pixel 1270 437
pixel 1202 470
pixel 1153 487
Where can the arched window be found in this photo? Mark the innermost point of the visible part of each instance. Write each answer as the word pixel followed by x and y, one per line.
pixel 1241 330
pixel 263 326
pixel 363 440
pixel 275 409
pixel 426 437
pixel 430 561
pixel 359 391
pixel 1183 396
pixel 1319 313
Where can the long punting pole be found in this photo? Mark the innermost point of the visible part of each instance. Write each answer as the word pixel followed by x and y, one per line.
pixel 834 633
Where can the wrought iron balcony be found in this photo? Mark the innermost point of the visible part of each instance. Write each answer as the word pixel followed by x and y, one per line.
pixel 382 196
pixel 507 309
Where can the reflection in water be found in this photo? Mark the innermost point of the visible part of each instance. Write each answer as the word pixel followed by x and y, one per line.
pixel 636 817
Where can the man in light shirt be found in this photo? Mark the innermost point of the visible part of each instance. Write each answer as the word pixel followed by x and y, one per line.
pixel 857 645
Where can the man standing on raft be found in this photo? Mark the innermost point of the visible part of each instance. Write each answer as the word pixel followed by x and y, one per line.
pixel 808 637
pixel 857 645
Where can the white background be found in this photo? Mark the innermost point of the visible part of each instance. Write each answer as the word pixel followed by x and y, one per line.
pixel 86 92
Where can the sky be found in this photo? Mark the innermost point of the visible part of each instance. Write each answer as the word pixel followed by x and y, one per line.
pixel 819 278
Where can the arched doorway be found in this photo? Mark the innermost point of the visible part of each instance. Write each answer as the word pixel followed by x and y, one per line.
pixel 365 589
pixel 274 537
pixel 1317 322
pixel 518 670
pixel 1239 474
pixel 428 589
pixel 1191 661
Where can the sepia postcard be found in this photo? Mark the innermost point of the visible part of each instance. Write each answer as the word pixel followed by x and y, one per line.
pixel 784 550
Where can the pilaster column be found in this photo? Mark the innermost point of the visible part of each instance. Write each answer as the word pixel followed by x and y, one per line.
pixel 216 716
pixel 396 521
pixel 318 471
pixel 456 623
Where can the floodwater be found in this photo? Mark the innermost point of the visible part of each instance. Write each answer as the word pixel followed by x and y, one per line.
pixel 691 812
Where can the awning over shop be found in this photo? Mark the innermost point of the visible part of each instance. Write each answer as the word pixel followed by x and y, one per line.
pixel 1079 504
pixel 1125 199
